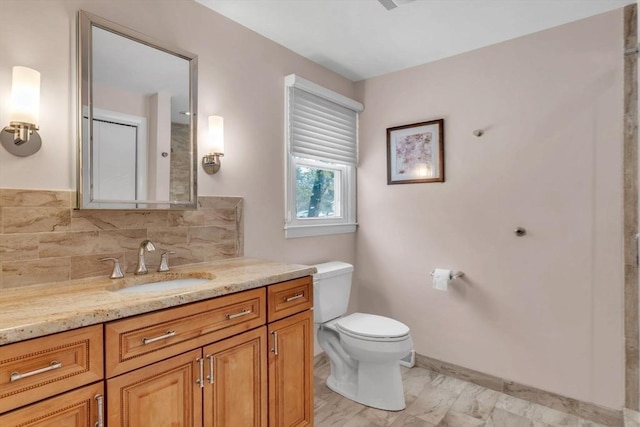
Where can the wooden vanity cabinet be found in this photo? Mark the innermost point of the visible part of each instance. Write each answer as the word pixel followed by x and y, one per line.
pixel 223 384
pixel 235 389
pixel 291 353
pixel 82 407
pixel 35 370
pixel 243 359
pixel 220 381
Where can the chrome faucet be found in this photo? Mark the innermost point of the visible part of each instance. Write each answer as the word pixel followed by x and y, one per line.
pixel 145 245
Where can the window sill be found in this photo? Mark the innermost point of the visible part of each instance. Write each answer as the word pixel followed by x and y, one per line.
pixel 294 231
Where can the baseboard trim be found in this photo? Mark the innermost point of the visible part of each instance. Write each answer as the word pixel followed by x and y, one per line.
pixel 589 411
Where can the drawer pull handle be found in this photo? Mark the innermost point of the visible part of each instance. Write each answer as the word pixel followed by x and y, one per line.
pixel 169 334
pixel 293 298
pixel 236 315
pixel 15 376
pixel 100 399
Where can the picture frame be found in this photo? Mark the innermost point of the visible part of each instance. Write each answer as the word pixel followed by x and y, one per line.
pixel 415 153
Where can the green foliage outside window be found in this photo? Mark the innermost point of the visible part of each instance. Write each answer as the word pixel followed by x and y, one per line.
pixel 314 192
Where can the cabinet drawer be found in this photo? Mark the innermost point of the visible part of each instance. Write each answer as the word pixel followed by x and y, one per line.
pixel 287 298
pixel 78 408
pixel 141 340
pixel 41 367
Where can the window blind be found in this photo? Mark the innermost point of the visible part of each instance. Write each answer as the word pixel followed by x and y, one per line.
pixel 320 129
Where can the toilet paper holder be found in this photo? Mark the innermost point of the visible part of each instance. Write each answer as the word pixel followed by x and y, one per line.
pixel 452 276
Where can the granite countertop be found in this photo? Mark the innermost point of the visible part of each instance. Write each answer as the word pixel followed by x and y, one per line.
pixel 34 311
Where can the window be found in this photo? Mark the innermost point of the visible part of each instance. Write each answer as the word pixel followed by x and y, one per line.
pixel 321 151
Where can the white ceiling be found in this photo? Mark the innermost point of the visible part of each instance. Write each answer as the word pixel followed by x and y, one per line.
pixel 361 39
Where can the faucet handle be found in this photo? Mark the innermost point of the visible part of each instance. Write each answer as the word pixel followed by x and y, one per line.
pixel 164 261
pixel 117 272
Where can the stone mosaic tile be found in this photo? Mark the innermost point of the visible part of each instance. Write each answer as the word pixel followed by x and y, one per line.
pixel 15 247
pixel 186 218
pixel 31 198
pixel 90 266
pixel 68 244
pixel 22 273
pixel 118 240
pixel 37 225
pixel 34 220
pixel 168 237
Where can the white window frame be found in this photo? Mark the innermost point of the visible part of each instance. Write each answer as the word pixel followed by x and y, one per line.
pixel 346 221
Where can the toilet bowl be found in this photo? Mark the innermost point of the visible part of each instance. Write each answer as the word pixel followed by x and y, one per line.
pixel 364 350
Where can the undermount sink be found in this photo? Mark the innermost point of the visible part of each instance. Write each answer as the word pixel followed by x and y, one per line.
pixel 161 282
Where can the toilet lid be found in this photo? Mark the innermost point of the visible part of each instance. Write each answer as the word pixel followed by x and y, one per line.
pixel 371 325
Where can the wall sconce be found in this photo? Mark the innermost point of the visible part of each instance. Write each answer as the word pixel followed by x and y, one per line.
pixel 215 144
pixel 21 138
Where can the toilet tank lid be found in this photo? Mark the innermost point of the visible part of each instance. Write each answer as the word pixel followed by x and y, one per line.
pixel 333 268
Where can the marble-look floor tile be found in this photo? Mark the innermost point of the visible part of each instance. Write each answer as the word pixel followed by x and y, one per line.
pixel 502 418
pixel 585 423
pixel 360 421
pixel 406 420
pixel 414 381
pixel 457 419
pixel 476 401
pixel 554 417
pixel 336 414
pixel 378 417
pixel 631 418
pixel 436 399
pixel 516 406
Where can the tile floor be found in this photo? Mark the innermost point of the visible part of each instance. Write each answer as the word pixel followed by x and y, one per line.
pixel 437 400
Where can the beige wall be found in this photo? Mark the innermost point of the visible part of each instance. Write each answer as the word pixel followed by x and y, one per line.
pixel 241 77
pixel 546 309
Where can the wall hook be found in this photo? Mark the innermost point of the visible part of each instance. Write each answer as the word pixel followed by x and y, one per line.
pixel 478 132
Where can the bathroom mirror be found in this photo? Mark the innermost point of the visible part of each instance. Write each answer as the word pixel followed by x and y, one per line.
pixel 136 120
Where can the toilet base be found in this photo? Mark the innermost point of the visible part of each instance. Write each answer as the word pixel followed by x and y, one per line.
pixel 379 385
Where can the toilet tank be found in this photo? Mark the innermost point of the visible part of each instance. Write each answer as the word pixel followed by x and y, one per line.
pixel 331 289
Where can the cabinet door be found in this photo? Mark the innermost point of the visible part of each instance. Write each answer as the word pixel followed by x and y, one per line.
pixel 235 392
pixel 291 371
pixel 165 394
pixel 78 408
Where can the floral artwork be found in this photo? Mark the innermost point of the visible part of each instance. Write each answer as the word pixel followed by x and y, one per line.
pixel 413 150
pixel 415 153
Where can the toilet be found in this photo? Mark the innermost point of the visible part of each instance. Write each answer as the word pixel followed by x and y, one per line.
pixel 364 350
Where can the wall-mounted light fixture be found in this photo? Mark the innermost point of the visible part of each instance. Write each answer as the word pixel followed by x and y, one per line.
pixel 214 145
pixel 21 137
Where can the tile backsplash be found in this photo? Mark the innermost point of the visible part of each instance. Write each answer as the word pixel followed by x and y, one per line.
pixel 43 239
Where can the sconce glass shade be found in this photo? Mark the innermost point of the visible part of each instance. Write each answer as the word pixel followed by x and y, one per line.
pixel 25 96
pixel 21 138
pixel 214 146
pixel 216 135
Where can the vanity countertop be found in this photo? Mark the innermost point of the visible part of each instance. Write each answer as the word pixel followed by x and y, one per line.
pixel 34 311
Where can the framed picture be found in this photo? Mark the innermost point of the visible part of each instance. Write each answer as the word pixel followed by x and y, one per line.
pixel 415 153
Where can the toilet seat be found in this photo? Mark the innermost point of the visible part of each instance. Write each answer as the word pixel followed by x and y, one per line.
pixel 371 327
